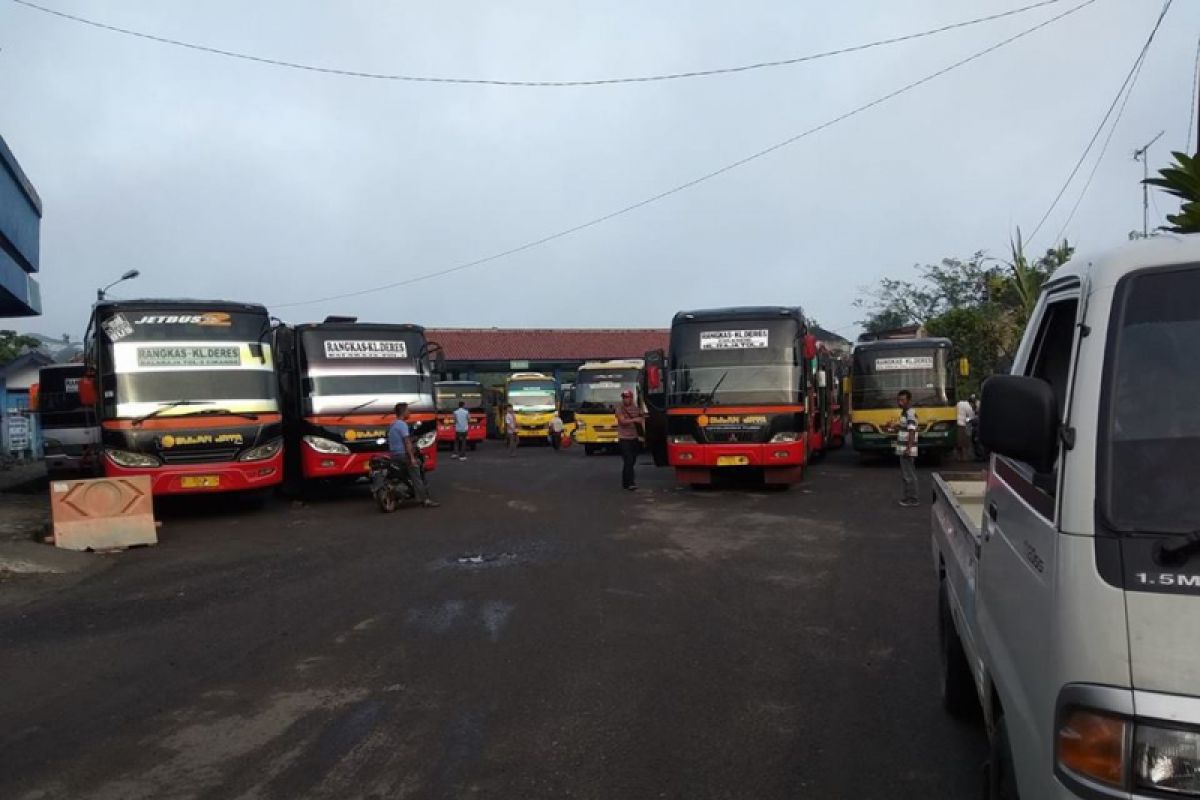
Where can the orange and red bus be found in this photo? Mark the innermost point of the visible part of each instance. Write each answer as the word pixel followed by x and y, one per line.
pixel 733 395
pixel 185 392
pixel 449 395
pixel 340 381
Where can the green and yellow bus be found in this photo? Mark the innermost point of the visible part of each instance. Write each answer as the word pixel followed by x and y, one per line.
pixel 598 388
pixel 881 369
pixel 534 398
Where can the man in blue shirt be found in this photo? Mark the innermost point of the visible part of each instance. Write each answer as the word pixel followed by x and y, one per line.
pixel 404 451
pixel 462 426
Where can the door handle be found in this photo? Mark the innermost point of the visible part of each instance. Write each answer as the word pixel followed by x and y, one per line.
pixel 993 512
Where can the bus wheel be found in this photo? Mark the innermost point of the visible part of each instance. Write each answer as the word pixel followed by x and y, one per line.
pixel 589 449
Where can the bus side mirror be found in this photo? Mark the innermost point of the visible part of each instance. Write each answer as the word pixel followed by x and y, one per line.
pixel 964 367
pixel 810 347
pixel 88 395
pixel 1020 420
pixel 654 379
pixel 822 380
pixel 35 390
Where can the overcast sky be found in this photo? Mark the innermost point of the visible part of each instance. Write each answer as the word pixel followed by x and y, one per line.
pixel 221 178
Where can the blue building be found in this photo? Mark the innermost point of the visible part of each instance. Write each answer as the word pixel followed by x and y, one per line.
pixel 20 229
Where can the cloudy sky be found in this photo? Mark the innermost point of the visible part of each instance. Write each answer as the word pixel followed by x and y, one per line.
pixel 222 178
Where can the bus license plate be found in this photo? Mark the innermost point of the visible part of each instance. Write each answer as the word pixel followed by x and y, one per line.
pixel 200 481
pixel 732 461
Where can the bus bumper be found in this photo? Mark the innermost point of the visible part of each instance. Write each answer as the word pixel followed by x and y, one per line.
pixel 936 441
pixel 324 466
pixel 780 462
pixel 476 433
pixel 235 476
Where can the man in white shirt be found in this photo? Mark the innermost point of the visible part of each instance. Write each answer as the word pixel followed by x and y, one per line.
pixel 510 430
pixel 906 448
pixel 962 445
pixel 462 424
pixel 556 431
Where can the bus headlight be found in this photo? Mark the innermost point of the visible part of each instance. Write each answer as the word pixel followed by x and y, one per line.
pixel 427 440
pixel 263 451
pixel 128 458
pixel 580 424
pixel 864 427
pixel 1167 759
pixel 326 446
pixel 684 438
pixel 785 436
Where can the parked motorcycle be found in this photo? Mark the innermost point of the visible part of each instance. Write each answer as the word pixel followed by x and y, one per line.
pixel 391 485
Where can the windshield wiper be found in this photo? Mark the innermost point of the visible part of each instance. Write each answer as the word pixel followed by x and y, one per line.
pixel 712 395
pixel 357 407
pixel 1178 553
pixel 208 411
pixel 166 406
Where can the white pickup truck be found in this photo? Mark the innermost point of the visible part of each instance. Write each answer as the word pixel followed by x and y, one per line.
pixel 1069 579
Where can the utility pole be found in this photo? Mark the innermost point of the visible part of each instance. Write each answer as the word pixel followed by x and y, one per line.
pixel 1140 155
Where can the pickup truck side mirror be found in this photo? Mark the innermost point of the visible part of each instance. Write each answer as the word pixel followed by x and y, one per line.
pixel 1018 418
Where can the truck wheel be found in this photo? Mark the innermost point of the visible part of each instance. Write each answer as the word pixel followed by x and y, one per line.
pixel 1001 776
pixel 958 687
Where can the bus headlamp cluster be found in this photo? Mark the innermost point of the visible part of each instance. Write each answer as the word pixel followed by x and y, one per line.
pixel 427 440
pixel 683 438
pixel 128 458
pixel 263 451
pixel 327 446
pixel 1093 745
pixel 785 436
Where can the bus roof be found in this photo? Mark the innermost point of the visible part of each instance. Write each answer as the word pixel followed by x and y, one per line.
pixel 182 303
pixel 458 383
pixel 616 363
pixel 359 326
pixel 900 344
pixel 740 312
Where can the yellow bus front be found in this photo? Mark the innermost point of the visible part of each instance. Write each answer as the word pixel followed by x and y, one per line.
pixel 534 401
pixel 598 390
pixel 880 371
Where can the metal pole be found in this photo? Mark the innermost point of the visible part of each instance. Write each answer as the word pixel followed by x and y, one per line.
pixel 1141 155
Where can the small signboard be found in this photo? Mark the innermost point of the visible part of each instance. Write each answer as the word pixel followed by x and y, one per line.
pixel 747 339
pixel 18 432
pixel 904 362
pixel 518 365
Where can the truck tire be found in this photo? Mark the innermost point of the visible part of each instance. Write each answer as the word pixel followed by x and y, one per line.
pixel 958 687
pixel 1001 776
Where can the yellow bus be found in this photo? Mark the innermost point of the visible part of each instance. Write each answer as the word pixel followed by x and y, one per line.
pixel 534 398
pixel 880 369
pixel 598 388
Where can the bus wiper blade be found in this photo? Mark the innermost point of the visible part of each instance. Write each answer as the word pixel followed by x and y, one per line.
pixel 357 407
pixel 1178 553
pixel 165 406
pixel 210 411
pixel 712 395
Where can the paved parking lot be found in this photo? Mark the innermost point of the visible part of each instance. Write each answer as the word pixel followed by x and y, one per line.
pixel 543 634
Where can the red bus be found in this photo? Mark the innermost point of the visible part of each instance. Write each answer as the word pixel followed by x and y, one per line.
pixel 734 395
pixel 449 395
pixel 185 392
pixel 339 381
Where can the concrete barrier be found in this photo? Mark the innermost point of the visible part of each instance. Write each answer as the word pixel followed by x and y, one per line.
pixel 102 513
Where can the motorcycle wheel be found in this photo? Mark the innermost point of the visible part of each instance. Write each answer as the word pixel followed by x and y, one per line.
pixel 387 501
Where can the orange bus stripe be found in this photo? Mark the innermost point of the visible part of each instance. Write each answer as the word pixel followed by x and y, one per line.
pixel 718 410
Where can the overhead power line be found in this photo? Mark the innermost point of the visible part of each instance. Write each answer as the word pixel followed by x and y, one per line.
pixel 699 180
pixel 1099 128
pixel 703 73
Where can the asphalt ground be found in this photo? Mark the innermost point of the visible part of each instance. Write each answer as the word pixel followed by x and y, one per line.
pixel 543 634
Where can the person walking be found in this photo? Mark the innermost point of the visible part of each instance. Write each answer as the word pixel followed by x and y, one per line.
pixel 965 415
pixel 462 425
pixel 629 417
pixel 403 451
pixel 556 431
pixel 906 448
pixel 510 430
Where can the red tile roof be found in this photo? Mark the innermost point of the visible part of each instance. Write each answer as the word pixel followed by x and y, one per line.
pixel 546 344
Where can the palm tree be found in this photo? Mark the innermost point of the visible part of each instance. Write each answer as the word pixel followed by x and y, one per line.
pixel 1182 180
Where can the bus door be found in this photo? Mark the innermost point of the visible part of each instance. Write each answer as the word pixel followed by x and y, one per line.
pixel 654 393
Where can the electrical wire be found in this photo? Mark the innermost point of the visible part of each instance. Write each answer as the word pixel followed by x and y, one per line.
pixel 1099 128
pixel 704 73
pixel 701 179
pixel 1103 149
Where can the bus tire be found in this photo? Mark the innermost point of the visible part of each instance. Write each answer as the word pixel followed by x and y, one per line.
pixel 589 449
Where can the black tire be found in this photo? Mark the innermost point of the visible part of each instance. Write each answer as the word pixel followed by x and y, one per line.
pixel 1001 783
pixel 387 500
pixel 958 687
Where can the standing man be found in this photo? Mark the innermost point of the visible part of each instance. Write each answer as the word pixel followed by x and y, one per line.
pixel 462 424
pixel 556 431
pixel 629 417
pixel 906 448
pixel 965 413
pixel 510 430
pixel 403 451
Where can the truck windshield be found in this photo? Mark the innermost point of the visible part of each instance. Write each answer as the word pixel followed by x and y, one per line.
pixel 601 391
pixel 1150 439
pixel 735 362
pixel 448 398
pixel 879 374
pixel 155 357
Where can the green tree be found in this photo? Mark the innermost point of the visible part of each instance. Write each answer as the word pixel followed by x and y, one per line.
pixel 12 343
pixel 1182 180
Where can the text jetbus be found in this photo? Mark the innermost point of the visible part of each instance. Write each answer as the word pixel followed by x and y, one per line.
pixel 534 398
pixel 880 370
pixel 732 395
pixel 340 381
pixel 597 393
pixel 185 393
pixel 449 395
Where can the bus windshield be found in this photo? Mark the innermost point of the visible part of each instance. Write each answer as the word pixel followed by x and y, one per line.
pixel 218 360
pixel 737 362
pixel 448 397
pixel 367 369
pixel 1150 441
pixel 601 391
pixel 539 396
pixel 879 374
